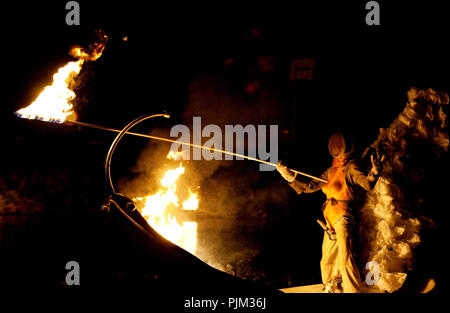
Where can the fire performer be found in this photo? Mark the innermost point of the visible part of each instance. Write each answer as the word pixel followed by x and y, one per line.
pixel 344 178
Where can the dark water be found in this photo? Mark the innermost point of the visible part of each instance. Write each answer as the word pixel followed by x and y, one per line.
pixel 250 249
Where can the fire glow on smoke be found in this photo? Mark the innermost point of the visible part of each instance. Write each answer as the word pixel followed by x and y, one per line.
pixel 157 209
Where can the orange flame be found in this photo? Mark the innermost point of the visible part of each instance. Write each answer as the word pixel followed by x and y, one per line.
pixel 54 103
pixel 94 51
pixel 175 155
pixel 191 204
pixel 157 210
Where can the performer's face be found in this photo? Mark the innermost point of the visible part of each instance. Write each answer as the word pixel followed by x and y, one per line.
pixel 336 145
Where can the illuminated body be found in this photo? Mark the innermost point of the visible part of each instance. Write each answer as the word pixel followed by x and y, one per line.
pixel 338 267
pixel 337 189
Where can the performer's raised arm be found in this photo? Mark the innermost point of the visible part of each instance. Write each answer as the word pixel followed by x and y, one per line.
pixel 356 176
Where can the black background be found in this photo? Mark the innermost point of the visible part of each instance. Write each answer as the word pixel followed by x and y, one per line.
pixel 361 80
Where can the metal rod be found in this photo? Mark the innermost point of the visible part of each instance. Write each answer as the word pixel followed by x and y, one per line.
pixel 188 144
pixel 116 141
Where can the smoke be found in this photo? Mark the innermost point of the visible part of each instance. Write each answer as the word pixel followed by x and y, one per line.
pixel 211 98
pixel 235 198
pixel 389 229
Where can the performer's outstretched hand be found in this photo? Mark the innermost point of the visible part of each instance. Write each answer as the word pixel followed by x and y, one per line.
pixel 285 172
pixel 377 163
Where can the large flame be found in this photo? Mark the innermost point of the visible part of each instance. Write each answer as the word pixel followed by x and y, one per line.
pixel 54 103
pixel 158 210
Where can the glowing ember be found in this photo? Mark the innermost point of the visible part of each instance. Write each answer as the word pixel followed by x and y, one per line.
pixel 157 210
pixel 54 102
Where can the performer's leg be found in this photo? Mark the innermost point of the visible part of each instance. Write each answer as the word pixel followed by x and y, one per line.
pixel 351 281
pixel 328 263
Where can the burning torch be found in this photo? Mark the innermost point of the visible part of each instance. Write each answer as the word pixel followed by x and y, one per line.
pixel 53 104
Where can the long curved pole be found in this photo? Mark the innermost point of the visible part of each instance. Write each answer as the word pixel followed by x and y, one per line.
pixel 140 119
pixel 117 140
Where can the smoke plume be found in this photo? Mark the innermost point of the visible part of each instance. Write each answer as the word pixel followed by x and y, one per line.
pixel 235 197
pixel 389 228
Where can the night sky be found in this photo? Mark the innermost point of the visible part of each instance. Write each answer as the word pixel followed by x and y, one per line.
pixel 360 79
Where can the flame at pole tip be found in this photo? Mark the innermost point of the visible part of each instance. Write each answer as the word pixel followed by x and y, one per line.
pixel 54 103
